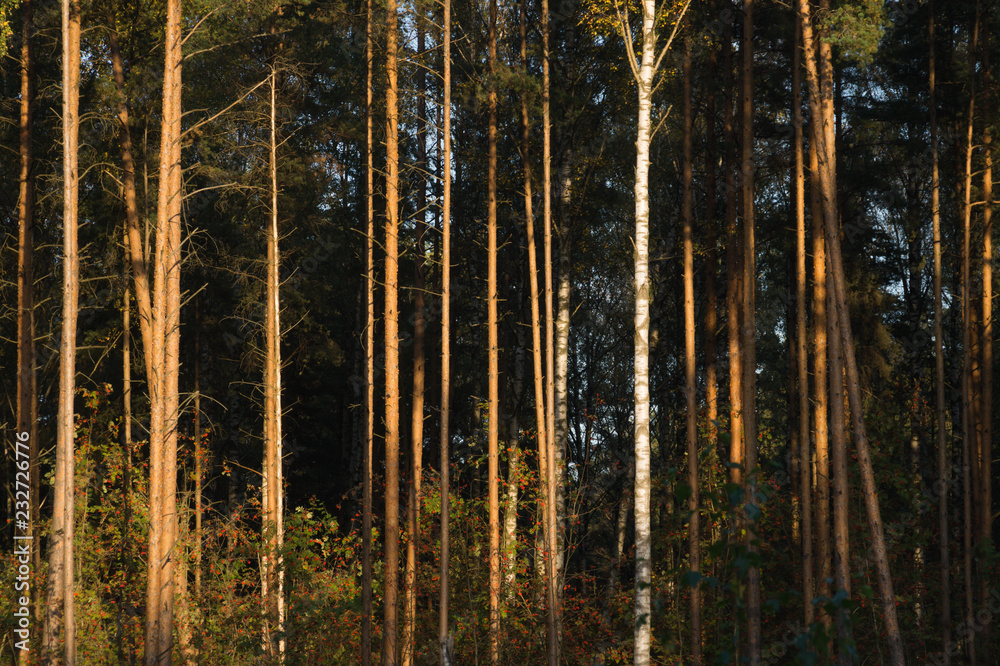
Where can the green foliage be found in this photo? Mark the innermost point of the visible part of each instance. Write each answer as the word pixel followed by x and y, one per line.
pixel 856 28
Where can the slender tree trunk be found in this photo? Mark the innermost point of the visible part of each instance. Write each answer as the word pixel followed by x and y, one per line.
pixel 444 636
pixel 820 385
pixel 968 425
pixel 274 603
pixel 986 350
pixel 60 606
pixel 801 334
pixel 561 432
pixel 391 589
pixel 366 492
pixel 137 254
pixel 494 368
pixel 821 106
pixel 419 334
pixel 733 275
pixel 711 260
pixel 694 524
pixel 27 380
pixel 942 437
pixel 838 483
pixel 514 465
pixel 749 336
pixel 643 536
pixel 198 451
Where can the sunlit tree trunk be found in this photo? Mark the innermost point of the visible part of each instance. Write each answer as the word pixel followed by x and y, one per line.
pixel 821 106
pixel 694 523
pixel 986 364
pixel 419 335
pixel 801 334
pixel 59 606
pixel 391 588
pixel 274 602
pixel 942 436
pixel 444 636
pixel 711 261
pixel 494 368
pixel 968 424
pixel 733 275
pixel 749 335
pixel 366 491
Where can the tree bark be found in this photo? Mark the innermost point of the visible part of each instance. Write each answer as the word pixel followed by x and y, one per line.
pixel 366 491
pixel 274 602
pixel 694 525
pixel 821 106
pixel 986 348
pixel 60 606
pixel 968 425
pixel 801 335
pixel 748 342
pixel 27 379
pixel 494 368
pixel 942 436
pixel 391 593
pixel 643 535
pixel 444 636
pixel 419 335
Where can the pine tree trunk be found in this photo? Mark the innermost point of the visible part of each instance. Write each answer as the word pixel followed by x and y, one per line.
pixel 444 636
pixel 820 385
pixel 60 607
pixel 391 586
pixel 366 491
pixel 986 349
pixel 494 369
pixel 419 334
pixel 942 436
pixel 694 524
pixel 821 105
pixel 969 482
pixel 748 343
pixel 27 380
pixel 274 603
pixel 801 334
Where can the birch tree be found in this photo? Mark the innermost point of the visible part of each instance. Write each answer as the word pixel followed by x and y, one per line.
pixel 644 69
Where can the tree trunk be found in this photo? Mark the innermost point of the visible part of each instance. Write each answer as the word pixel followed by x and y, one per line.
pixel 27 380
pixel 749 336
pixel 274 602
pixel 694 524
pixel 60 607
pixel 711 262
pixel 942 437
pixel 821 106
pixel 820 385
pixel 419 329
pixel 733 275
pixel 391 593
pixel 366 491
pixel 986 350
pixel 968 425
pixel 494 368
pixel 801 334
pixel 198 451
pixel 643 536
pixel 444 636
